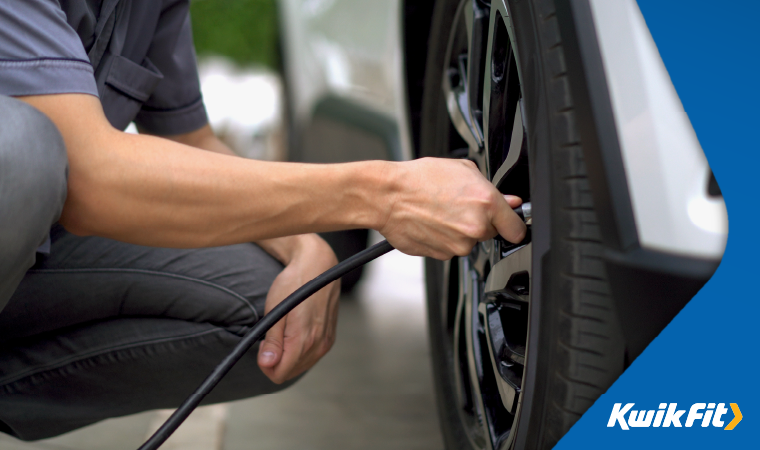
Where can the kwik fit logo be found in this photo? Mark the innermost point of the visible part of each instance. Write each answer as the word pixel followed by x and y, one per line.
pixel 668 415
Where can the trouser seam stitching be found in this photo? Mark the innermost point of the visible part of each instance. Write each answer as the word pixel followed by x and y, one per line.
pixel 156 273
pixel 99 352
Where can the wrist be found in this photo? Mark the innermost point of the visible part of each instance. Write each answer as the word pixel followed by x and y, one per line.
pixel 290 249
pixel 284 249
pixel 377 183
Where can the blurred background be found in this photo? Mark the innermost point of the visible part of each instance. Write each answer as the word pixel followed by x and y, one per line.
pixel 374 389
pixel 237 43
pixel 245 31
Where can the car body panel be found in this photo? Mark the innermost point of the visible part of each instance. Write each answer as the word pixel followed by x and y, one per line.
pixel 343 59
pixel 666 170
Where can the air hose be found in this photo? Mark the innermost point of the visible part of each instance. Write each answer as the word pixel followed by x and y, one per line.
pixel 262 326
pixel 257 332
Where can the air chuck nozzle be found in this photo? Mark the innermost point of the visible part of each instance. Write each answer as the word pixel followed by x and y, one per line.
pixel 524 212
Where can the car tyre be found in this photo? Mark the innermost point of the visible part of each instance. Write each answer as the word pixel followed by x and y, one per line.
pixel 524 338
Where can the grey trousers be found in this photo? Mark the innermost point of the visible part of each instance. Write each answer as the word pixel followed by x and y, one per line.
pixel 100 328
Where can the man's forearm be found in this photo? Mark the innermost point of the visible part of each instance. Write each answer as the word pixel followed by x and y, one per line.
pixel 203 138
pixel 150 191
pixel 285 248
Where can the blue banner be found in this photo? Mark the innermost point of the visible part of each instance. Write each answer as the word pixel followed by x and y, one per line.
pixel 702 370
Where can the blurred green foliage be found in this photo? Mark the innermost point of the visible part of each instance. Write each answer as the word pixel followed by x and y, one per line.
pixel 244 30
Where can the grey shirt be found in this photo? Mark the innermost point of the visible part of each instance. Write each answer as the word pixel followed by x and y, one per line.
pixel 136 55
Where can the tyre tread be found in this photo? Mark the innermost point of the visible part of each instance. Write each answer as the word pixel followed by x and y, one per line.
pixel 588 344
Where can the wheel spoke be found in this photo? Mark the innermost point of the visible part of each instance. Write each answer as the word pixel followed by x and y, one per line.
pixel 514 352
pixel 474 355
pixel 477 18
pixel 508 381
pixel 504 312
pixel 458 321
pixel 517 262
pixel 462 77
pixel 469 373
pixel 457 103
pixel 515 148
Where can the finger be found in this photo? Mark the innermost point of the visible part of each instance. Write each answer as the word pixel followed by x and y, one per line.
pixel 304 346
pixel 332 317
pixel 513 201
pixel 272 347
pixel 292 355
pixel 507 222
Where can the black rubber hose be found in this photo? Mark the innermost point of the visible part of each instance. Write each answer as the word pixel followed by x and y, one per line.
pixel 257 332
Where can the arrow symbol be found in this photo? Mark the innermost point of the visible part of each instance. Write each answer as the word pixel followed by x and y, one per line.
pixel 737 417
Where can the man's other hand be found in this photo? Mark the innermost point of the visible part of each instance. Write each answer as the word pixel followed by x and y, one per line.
pixel 301 338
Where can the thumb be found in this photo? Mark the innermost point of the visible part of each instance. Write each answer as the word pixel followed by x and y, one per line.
pixel 270 350
pixel 507 222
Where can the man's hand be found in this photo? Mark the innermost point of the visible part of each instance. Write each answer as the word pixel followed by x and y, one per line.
pixel 444 207
pixel 300 339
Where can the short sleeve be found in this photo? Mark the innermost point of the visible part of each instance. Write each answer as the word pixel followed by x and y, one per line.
pixel 176 106
pixel 40 53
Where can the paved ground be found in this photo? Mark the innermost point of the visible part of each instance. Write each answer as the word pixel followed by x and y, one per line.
pixel 372 391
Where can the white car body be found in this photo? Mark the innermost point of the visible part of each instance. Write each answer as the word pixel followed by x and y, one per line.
pixel 347 52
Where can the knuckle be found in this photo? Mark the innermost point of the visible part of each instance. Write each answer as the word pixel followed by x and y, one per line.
pixel 326 346
pixel 309 343
pixel 475 229
pixel 440 255
pixel 330 338
pixel 482 198
pixel 461 252
pixel 270 340
pixel 468 163
pixel 489 196
pixel 462 249
pixel 481 231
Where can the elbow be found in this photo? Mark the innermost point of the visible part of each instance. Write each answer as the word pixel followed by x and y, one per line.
pixel 75 221
pixel 81 213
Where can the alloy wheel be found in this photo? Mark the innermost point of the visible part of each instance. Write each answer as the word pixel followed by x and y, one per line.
pixel 486 295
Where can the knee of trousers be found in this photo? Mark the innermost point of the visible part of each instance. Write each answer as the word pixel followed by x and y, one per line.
pixel 33 178
pixel 246 275
pixel 33 165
